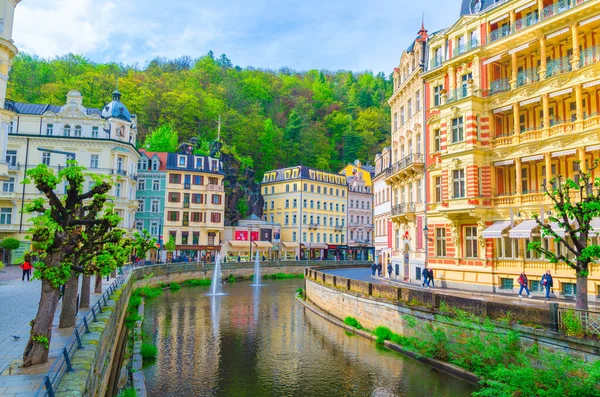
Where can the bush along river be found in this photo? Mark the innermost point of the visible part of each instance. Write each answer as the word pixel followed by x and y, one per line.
pixel 260 341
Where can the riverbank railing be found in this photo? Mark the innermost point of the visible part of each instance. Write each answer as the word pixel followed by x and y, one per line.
pixel 577 320
pixel 62 363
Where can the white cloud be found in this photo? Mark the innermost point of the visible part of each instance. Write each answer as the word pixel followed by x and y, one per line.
pixel 58 27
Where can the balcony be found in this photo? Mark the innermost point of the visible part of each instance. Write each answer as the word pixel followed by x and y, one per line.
pixel 407 166
pixel 405 212
pixel 338 228
pixel 313 226
pixel 118 171
pixel 14 167
pixel 215 188
pixel 558 66
pixel 527 197
pixel 462 48
pixel 498 34
pixel 526 135
pixel 436 62
pixel 525 22
pixel 500 85
pixel 589 56
pixel 457 94
pixel 527 76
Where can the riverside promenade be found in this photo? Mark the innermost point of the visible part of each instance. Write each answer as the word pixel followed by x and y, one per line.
pixel 18 306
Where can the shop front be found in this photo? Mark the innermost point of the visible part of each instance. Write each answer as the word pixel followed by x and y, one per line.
pixel 361 253
pixel 194 253
pixel 337 252
pixel 263 248
pixel 314 251
pixel 289 251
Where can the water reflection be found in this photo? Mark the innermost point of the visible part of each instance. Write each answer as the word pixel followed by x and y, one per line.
pixel 261 342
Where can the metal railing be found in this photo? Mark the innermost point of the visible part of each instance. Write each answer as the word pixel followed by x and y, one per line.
pixel 436 62
pixel 457 94
pixel 399 209
pixel 525 22
pixel 462 48
pixel 500 85
pixel 588 321
pixel 527 76
pixel 558 66
pixel 62 363
pixel 589 56
pixel 413 158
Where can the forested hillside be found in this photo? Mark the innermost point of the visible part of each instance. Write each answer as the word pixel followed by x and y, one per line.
pixel 279 118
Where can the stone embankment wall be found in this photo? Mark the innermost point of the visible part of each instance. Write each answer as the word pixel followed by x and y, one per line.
pixel 92 364
pixel 394 307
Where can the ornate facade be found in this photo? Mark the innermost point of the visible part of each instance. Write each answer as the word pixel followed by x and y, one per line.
pixel 382 209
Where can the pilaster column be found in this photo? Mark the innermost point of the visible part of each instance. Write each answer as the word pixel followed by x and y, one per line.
pixel 582 164
pixel 542 69
pixel 513 66
pixel 518 185
pixel 516 123
pixel 548 163
pixel 579 104
pixel 493 180
pixel 451 79
pixel 513 18
pixel 540 9
pixel 575 57
pixel 546 114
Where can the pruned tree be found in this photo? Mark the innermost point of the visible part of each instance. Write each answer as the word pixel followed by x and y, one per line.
pixel 60 234
pixel 576 203
pixel 170 245
pixel 143 242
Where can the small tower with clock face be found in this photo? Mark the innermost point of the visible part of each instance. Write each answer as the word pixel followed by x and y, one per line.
pixel 475 6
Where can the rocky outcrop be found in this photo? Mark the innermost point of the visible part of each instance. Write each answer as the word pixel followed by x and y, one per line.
pixel 242 193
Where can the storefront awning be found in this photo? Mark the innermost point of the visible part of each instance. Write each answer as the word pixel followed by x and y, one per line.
pixel 558 229
pixel 263 244
pixel 523 229
pixel 240 245
pixel 595 228
pixel 316 245
pixel 289 246
pixel 496 230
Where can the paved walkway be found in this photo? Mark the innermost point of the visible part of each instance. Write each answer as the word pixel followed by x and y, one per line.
pixel 10 273
pixel 364 274
pixel 18 306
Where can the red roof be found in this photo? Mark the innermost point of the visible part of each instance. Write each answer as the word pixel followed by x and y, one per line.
pixel 162 156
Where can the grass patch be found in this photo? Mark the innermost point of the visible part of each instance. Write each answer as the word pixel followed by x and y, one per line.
pixel 204 282
pixel 148 351
pixel 135 301
pixel 129 392
pixel 231 279
pixel 351 321
pixel 148 292
pixel 174 286
pixel 131 319
pixel 282 276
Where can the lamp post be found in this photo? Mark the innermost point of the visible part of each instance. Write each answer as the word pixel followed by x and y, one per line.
pixel 250 240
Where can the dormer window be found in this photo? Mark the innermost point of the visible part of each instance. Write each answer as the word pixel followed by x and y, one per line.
pixel 155 164
pixel 181 161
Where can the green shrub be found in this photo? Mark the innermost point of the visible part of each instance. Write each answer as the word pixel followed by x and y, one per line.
pixel 135 301
pixel 148 350
pixel 129 392
pixel 174 286
pixel 351 321
pixel 231 278
pixel 572 323
pixel 10 243
pixel 382 334
pixel 131 319
pixel 148 292
pixel 281 276
pixel 205 282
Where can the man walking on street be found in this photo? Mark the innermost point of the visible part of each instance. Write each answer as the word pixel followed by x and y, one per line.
pixel 547 283
pixel 379 267
pixel 523 283
pixel 389 269
pixel 425 276
pixel 430 281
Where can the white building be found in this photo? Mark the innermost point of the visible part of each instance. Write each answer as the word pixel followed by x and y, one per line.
pixel 382 210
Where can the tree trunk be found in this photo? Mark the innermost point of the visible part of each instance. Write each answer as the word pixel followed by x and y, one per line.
pixel 582 291
pixel 98 285
pixel 68 312
pixel 36 351
pixel 84 301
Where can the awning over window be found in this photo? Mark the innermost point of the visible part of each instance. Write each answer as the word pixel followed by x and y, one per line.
pixel 240 245
pixel 263 244
pixel 523 229
pixel 316 245
pixel 595 225
pixel 289 246
pixel 496 230
pixel 557 229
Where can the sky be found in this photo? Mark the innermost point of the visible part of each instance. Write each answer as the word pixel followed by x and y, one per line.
pixel 310 34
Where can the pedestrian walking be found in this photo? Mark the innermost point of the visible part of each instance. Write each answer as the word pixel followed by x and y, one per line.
pixel 26 266
pixel 425 276
pixel 547 283
pixel 373 269
pixel 430 282
pixel 389 269
pixel 239 258
pixel 379 267
pixel 523 283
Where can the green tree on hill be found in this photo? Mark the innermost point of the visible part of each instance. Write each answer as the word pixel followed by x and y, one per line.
pixel 163 139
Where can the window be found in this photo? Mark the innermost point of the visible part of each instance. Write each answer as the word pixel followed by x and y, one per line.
pixel 199 180
pixel 216 199
pixel 142 184
pixel 293 236
pixel 458 179
pixel 67 130
pixel 418 101
pixel 294 218
pixel 409 107
pixel 46 158
pixel 395 121
pixel 287 219
pixel 343 206
pixel 287 187
pixel 156 185
pixel 312 204
pixel 569 289
pixel 457 130
pixel 9 186
pixel 437 141
pixel 215 217
pixel 154 228
pixel 295 203
pixel 78 131
pixel 155 164
pixel 402 115
pixel 141 205
pixel 535 286
pixel 197 198
pixel 471 242
pixel 438 189
pixel 5 216
pixel 118 189
pixel 181 161
pixel 49 129
pixel 440 241
pixel 287 203
pixel 174 197
pixel 11 157
pixel 437 95
pixel 196 217
pixel 155 205
pixel 175 178
pixel 507 283
pixel 94 161
pixel 173 216
pixel 94 132
pixel 272 205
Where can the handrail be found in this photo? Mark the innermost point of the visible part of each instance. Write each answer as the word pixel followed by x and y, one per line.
pixel 62 363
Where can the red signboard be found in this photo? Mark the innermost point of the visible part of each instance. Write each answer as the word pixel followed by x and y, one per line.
pixel 389 233
pixel 242 235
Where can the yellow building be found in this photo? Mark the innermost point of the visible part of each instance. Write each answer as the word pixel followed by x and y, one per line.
pixel 366 171
pixel 311 207
pixel 512 97
pixel 102 140
pixel 194 205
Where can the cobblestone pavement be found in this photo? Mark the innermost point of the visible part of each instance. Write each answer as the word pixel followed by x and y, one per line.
pixel 537 300
pixel 10 273
pixel 18 306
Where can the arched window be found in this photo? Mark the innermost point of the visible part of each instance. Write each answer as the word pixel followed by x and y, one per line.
pixel 67 130
pixel 78 131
